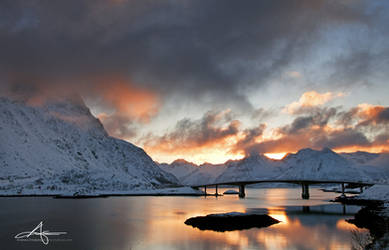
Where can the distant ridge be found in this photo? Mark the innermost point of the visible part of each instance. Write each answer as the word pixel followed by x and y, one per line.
pixel 306 163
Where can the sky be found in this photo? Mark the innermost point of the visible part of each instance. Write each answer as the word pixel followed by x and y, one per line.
pixel 209 81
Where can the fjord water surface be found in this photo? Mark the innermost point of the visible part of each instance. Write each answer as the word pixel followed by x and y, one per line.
pixel 157 222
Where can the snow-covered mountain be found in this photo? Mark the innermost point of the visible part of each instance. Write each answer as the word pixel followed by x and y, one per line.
pixel 58 147
pixel 309 164
pixel 179 168
pixel 377 168
pixel 191 174
pixel 306 164
pixel 205 173
pixel 254 167
pixel 360 157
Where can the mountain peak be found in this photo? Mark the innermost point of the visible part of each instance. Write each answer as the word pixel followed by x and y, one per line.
pixel 305 151
pixel 67 149
pixel 181 162
pixel 327 150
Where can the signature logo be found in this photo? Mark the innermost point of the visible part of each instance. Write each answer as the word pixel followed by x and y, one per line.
pixel 38 231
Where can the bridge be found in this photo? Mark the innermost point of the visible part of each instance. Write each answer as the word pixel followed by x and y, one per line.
pixel 304 185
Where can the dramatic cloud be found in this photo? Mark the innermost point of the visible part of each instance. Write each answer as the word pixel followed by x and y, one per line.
pixel 321 128
pixel 370 114
pixel 126 105
pixel 189 48
pixel 129 101
pixel 311 99
pixel 136 60
pixel 188 134
pixel 121 103
pixel 248 139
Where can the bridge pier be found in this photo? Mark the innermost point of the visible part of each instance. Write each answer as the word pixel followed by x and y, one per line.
pixel 205 190
pixel 242 193
pixel 216 193
pixel 343 195
pixel 305 191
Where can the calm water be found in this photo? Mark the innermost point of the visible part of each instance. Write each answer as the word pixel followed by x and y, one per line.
pixel 158 222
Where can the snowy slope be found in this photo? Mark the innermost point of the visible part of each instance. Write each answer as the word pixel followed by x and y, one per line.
pixel 309 164
pixel 59 147
pixel 179 168
pixel 377 168
pixel 255 167
pixel 191 174
pixel 251 168
pixel 206 173
pixel 376 192
pixel 359 157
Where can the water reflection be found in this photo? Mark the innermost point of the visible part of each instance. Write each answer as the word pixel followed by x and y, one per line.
pixel 158 222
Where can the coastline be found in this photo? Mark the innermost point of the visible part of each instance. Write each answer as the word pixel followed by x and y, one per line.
pixel 373 216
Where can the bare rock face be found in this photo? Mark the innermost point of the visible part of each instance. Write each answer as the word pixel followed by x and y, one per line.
pixel 231 221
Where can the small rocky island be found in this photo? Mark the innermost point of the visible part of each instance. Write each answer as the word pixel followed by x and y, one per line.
pixel 230 191
pixel 231 221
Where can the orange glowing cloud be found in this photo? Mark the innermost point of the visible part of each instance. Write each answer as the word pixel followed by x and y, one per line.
pixel 370 114
pixel 122 104
pixel 212 150
pixel 129 100
pixel 208 139
pixel 311 99
pixel 362 128
pixel 216 139
pixel 383 148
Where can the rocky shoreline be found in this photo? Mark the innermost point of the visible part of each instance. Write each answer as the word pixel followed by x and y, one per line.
pixel 374 215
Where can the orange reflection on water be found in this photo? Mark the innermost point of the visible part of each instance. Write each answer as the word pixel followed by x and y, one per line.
pixel 295 231
pixel 344 225
pixel 280 215
pixel 272 241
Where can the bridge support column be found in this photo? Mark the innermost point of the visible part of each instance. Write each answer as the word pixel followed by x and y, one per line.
pixel 343 195
pixel 305 191
pixel 242 193
pixel 205 190
pixel 216 193
pixel 361 189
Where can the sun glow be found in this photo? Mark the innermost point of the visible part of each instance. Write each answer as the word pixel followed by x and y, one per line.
pixel 279 215
pixel 343 225
pixel 213 156
pixel 276 156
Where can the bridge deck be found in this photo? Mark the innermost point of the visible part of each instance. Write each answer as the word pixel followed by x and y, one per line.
pixel 286 181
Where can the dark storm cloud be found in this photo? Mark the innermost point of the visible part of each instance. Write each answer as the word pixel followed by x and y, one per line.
pixel 358 127
pixel 382 138
pixel 341 138
pixel 374 115
pixel 118 126
pixel 383 116
pixel 250 138
pixel 193 50
pixel 187 47
pixel 213 128
pixel 317 116
pixel 366 55
pixel 359 66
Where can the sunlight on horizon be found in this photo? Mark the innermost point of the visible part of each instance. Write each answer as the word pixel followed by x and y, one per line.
pixel 276 156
